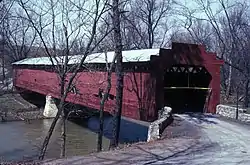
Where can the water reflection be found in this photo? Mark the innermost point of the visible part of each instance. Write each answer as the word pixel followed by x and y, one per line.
pixel 129 132
pixel 20 140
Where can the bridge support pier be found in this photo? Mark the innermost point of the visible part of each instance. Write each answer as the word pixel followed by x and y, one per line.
pixel 50 109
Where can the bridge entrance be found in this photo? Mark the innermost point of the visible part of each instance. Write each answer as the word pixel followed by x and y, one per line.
pixel 186 88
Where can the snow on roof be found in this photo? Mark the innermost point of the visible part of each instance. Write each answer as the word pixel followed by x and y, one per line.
pixel 128 56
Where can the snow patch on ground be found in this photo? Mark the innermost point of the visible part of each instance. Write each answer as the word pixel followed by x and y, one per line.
pixel 6 85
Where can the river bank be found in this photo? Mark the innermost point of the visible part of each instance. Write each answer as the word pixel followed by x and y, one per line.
pixel 15 108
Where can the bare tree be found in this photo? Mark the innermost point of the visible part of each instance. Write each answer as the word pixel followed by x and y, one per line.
pixel 227 27
pixel 119 72
pixel 3 14
pixel 20 37
pixel 104 97
pixel 146 23
pixel 5 8
pixel 58 25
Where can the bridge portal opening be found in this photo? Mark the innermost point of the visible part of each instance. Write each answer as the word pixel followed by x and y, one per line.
pixel 186 88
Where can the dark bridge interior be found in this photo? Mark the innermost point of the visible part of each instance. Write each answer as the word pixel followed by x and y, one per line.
pixel 186 88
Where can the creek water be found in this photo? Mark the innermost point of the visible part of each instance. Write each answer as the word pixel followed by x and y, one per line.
pixel 21 141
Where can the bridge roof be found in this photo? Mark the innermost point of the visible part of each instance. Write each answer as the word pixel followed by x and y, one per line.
pixel 141 55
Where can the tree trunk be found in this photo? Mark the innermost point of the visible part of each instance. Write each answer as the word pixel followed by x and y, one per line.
pixel 63 145
pixel 63 135
pixel 100 133
pixel 48 136
pixel 228 90
pixel 103 100
pixel 3 67
pixel 237 103
pixel 223 79
pixel 119 73
pixel 53 124
pixel 246 100
pixel 3 38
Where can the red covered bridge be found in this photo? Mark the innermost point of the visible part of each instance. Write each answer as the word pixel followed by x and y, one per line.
pixel 186 78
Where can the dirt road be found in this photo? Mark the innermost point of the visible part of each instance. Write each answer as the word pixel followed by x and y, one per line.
pixel 222 142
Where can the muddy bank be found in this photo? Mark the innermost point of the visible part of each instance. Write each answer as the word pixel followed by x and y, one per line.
pixel 14 108
pixel 23 116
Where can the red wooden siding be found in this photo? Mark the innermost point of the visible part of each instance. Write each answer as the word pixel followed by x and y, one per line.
pixel 88 84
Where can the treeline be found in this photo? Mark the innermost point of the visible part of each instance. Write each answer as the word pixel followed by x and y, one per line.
pixel 222 25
